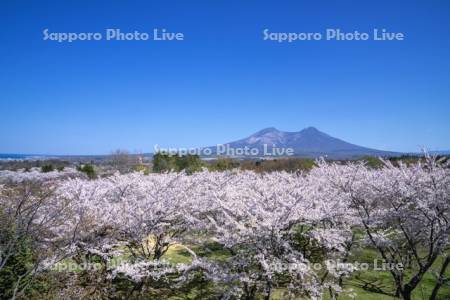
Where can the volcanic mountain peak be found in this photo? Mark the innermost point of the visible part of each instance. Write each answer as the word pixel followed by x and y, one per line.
pixel 309 142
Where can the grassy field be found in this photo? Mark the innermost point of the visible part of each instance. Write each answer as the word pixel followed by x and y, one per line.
pixel 367 285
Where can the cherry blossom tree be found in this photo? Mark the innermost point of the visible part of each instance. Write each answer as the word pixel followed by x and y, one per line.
pixel 259 219
pixel 279 230
pixel 37 229
pixel 404 211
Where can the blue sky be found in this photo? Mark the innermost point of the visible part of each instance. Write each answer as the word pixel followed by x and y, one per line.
pixel 223 82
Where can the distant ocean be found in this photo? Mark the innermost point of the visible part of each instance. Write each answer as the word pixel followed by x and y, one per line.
pixel 9 156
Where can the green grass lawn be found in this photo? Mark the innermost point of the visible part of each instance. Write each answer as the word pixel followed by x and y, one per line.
pixel 363 283
pixel 368 285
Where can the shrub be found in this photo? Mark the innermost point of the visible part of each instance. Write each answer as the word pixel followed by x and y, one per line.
pixel 16 265
pixel 283 164
pixel 163 162
pixel 189 163
pixel 373 162
pixel 88 170
pixel 47 168
pixel 223 164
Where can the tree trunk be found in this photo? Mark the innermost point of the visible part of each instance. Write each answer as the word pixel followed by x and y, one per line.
pixel 406 293
pixel 268 290
pixel 441 278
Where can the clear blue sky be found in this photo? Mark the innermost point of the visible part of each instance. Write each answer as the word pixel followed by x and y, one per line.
pixel 223 82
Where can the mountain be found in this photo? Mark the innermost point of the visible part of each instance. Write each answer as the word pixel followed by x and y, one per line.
pixel 309 142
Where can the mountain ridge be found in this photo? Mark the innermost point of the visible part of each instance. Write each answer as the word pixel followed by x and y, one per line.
pixel 308 142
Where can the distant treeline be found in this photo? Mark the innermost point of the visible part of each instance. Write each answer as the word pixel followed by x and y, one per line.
pixel 191 163
pixel 163 162
pixel 28 164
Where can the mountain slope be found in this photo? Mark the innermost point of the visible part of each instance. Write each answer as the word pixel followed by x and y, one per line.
pixel 308 142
